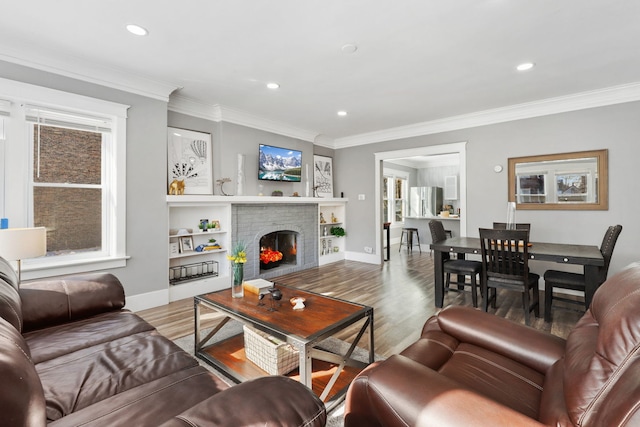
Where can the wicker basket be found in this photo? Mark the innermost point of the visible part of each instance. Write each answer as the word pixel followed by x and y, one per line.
pixel 269 353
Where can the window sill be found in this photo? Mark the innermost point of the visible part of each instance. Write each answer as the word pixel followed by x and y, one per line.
pixel 50 269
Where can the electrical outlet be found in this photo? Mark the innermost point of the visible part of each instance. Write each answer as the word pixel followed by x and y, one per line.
pixel 360 196
pixel 368 249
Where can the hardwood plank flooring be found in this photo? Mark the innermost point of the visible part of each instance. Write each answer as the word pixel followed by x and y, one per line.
pixel 401 292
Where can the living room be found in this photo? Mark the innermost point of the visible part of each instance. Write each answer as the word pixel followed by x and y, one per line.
pixel 601 116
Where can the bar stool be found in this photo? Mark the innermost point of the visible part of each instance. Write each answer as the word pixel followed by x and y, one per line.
pixel 409 232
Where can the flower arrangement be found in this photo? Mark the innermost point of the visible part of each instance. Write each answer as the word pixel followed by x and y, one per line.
pixel 239 253
pixel 270 255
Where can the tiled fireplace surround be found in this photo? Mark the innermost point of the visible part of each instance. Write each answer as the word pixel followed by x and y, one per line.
pixel 252 221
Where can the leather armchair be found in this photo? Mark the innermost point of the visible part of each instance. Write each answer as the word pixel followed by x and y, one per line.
pixel 473 368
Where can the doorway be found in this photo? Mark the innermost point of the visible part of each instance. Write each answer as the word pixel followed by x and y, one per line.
pixel 454 149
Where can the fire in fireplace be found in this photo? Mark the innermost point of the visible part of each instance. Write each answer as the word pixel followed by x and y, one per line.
pixel 278 248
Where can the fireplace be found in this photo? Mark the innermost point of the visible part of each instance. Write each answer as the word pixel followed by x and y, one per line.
pixel 292 230
pixel 277 249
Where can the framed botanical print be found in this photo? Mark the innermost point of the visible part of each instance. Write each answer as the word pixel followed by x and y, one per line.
pixel 323 176
pixel 189 161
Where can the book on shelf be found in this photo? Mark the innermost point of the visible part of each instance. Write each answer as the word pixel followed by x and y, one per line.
pixel 257 286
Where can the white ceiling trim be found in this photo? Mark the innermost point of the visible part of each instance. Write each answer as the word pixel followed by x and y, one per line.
pixel 218 113
pixel 579 101
pixel 113 78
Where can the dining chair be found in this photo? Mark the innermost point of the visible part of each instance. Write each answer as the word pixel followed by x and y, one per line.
pixel 460 267
pixel 505 265
pixel 576 281
pixel 519 226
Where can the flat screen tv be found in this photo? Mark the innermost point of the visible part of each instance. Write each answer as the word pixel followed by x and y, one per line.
pixel 279 164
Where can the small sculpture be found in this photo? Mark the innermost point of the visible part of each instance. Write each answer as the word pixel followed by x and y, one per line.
pixel 322 220
pixel 176 187
pixel 333 218
pixel 221 182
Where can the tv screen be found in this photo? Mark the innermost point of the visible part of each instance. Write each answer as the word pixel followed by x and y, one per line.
pixel 279 164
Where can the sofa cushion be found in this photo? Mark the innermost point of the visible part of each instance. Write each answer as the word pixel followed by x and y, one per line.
pixel 10 303
pixel 603 352
pixel 496 377
pixel 80 379
pixel 69 298
pixel 151 404
pixel 53 342
pixel 21 397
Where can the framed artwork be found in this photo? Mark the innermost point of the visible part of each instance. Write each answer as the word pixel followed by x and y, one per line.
pixel 190 160
pixel 186 244
pixel 323 176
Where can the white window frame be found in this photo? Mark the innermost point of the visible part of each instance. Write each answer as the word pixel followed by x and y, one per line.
pixel 16 201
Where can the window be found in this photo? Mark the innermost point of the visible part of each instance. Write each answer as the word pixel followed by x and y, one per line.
pixel 394 196
pixel 73 148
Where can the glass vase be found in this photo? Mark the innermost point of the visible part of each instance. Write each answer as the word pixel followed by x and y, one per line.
pixel 237 291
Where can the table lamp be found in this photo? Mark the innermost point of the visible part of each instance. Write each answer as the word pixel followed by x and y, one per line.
pixel 17 244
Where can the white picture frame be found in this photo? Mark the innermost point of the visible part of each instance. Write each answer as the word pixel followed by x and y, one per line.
pixel 323 176
pixel 190 159
pixel 186 244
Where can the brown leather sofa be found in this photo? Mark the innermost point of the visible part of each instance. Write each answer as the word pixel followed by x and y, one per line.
pixel 70 355
pixel 470 368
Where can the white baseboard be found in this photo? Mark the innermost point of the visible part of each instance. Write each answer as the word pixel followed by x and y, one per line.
pixel 361 257
pixel 149 300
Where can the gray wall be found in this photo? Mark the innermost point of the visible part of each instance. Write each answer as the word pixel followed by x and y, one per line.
pixel 146 171
pixel 616 128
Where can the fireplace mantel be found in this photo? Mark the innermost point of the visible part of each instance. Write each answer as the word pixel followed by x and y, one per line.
pixel 190 198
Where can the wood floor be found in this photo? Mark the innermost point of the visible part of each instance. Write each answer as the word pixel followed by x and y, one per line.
pixel 401 292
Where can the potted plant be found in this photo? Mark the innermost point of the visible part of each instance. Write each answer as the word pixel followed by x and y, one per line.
pixel 337 231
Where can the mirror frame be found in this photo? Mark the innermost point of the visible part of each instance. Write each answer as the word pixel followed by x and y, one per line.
pixel 603 181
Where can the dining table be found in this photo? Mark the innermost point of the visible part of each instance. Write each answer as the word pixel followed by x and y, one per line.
pixel 587 256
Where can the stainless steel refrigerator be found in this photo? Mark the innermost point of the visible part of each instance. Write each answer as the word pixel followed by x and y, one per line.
pixel 425 201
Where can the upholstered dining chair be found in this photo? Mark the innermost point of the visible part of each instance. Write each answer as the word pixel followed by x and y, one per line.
pixel 460 267
pixel 505 265
pixel 576 281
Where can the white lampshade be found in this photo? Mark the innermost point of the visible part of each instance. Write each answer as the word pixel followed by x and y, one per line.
pixel 22 243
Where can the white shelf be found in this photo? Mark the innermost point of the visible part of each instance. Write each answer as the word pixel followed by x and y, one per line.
pixel 201 233
pixel 196 253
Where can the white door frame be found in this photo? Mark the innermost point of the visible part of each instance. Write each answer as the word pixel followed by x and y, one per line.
pixel 453 148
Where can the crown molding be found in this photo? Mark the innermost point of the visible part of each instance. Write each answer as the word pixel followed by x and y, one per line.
pixel 580 101
pixel 79 69
pixel 221 113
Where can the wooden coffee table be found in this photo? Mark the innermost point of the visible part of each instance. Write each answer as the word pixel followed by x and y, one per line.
pixel 321 318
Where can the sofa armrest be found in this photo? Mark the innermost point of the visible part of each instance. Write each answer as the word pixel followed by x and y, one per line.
pixel 267 401
pixel 537 349
pixel 401 392
pixel 69 298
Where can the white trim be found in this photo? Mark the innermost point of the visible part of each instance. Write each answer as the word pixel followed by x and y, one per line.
pixel 148 300
pixel 62 65
pixel 32 94
pixel 362 257
pixel 562 104
pixel 457 147
pixel 221 113
pixel 38 270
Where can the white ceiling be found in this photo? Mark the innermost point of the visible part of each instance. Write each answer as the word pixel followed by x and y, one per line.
pixel 417 60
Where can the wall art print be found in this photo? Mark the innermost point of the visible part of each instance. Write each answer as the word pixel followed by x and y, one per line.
pixel 323 176
pixel 190 160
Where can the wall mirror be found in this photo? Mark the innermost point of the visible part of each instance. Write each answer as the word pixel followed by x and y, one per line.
pixel 569 181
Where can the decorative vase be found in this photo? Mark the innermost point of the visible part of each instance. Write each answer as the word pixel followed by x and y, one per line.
pixel 237 291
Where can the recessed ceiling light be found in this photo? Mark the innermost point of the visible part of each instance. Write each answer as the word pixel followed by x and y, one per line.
pixel 525 66
pixel 273 85
pixel 137 30
pixel 342 113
